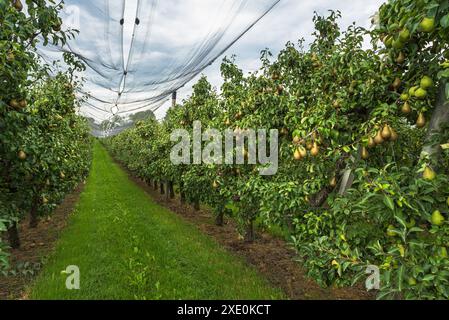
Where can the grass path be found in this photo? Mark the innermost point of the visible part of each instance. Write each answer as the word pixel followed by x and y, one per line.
pixel 128 247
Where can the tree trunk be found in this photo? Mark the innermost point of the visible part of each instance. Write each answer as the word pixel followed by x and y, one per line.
pixel 33 215
pixel 219 219
pixel 250 235
pixel 170 190
pixel 13 236
pixel 162 187
pixel 182 193
pixel 155 184
pixel 196 205
pixel 440 118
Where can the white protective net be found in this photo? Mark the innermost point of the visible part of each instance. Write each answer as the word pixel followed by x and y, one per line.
pixel 139 52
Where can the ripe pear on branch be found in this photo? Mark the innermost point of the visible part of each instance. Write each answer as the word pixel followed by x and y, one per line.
pixel 429 174
pixel 406 108
pixel 18 5
pixel 371 142
pixel 378 138
pixel 315 150
pixel 386 132
pixel 421 121
pixel 364 154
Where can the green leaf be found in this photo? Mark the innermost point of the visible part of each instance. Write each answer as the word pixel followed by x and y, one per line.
pixel 445 21
pixel 429 277
pixel 447 91
pixel 388 202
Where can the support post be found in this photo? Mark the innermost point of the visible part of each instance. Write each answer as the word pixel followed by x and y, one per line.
pixel 173 99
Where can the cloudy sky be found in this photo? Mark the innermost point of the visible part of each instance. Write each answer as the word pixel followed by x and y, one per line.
pixel 174 38
pixel 288 21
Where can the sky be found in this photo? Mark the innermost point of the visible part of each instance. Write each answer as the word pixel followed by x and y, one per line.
pixel 290 20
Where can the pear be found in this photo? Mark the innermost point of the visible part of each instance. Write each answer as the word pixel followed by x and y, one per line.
pixel 437 218
pixel 315 150
pixel 309 145
pixel 406 108
pixel 426 82
pixel 22 155
pixel 412 91
pixel 333 182
pixel 404 35
pixel 371 142
pixel 397 83
pixel 296 140
pixel 388 41
pixel 215 184
pixel 386 132
pixel 427 25
pixel 421 121
pixel 401 58
pixel 378 139
pixel 297 155
pixel 365 154
pixel 44 200
pixel 14 104
pixel 404 96
pixel 303 152
pixel 22 104
pixel 398 44
pixel 18 5
pixel 447 201
pixel 394 135
pixel 421 93
pixel 429 174
pixel 62 175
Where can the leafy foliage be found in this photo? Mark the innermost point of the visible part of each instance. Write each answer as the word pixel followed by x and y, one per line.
pixel 353 187
pixel 45 146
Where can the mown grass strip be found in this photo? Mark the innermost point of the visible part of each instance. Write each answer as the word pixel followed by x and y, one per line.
pixel 128 247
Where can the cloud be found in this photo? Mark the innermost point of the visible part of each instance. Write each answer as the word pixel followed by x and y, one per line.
pixel 290 20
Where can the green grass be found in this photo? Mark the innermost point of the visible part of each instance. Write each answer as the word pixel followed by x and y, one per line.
pixel 128 247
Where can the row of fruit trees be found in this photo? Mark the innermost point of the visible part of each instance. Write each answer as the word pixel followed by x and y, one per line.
pixel 44 145
pixel 363 160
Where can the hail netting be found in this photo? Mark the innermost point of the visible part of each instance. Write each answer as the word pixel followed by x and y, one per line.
pixel 136 58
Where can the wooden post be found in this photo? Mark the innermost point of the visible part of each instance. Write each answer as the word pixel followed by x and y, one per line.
pixel 173 99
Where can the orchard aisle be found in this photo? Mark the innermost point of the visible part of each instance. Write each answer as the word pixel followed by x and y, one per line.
pixel 128 247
